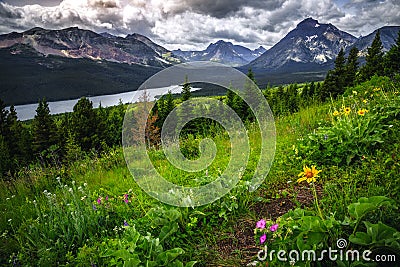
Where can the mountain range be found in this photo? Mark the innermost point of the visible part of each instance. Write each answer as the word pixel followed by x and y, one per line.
pixel 69 63
pixel 224 53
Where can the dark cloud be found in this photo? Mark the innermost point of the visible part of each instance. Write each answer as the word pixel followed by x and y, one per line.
pixel 7 13
pixel 193 24
pixel 33 2
pixel 103 3
pixel 223 8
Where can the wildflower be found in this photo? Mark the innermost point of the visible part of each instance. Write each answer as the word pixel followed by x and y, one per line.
pixel 362 112
pixel 326 137
pixel 355 93
pixel 336 113
pixel 125 223
pixel 365 101
pixel 99 200
pixel 347 110
pixel 263 238
pixel 261 224
pixel 377 89
pixel 106 198
pixel 274 227
pixel 308 174
pixel 126 198
pixel 83 198
pixel 94 207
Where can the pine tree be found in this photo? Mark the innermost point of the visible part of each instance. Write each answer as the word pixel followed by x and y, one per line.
pixel 351 67
pixel 84 125
pixel 305 93
pixel 186 93
pixel 3 118
pixel 392 59
pixel 169 104
pixel 250 75
pixel 334 83
pixel 230 96
pixel 374 60
pixel 44 131
pixel 312 90
pixel 249 88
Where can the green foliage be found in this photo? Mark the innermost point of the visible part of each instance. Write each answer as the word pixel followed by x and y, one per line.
pixel 374 60
pixel 186 93
pixel 44 133
pixel 342 76
pixel 357 128
pixel 84 123
pixel 134 249
pixel 302 230
pixel 392 59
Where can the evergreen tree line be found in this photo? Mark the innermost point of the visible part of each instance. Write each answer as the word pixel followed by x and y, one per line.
pixel 347 72
pixel 58 139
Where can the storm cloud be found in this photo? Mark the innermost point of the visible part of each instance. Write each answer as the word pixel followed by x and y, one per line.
pixel 193 24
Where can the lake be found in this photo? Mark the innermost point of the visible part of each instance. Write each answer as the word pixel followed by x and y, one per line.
pixel 28 111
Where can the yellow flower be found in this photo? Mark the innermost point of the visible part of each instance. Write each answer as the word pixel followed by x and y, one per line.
pixel 377 89
pixel 308 174
pixel 365 101
pixel 362 112
pixel 336 113
pixel 347 110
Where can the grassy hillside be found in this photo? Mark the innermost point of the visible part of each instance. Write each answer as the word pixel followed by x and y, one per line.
pixel 91 212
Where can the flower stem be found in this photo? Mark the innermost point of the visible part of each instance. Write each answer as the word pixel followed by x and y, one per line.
pixel 316 201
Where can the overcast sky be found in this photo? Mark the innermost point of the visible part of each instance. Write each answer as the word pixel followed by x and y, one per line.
pixel 193 24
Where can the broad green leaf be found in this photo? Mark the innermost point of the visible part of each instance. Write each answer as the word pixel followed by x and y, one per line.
pixel 168 256
pixel 360 238
pixel 168 230
pixel 132 262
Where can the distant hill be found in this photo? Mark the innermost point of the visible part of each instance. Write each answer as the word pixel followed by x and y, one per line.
pixel 27 76
pixel 222 52
pixel 77 43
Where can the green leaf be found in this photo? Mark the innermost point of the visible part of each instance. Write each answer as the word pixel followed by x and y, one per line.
pixel 364 205
pixel 190 264
pixel 168 256
pixel 168 230
pixel 132 262
pixel 360 238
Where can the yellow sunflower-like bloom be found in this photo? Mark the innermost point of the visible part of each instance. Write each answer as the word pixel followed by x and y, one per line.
pixel 336 113
pixel 308 174
pixel 362 112
pixel 347 110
